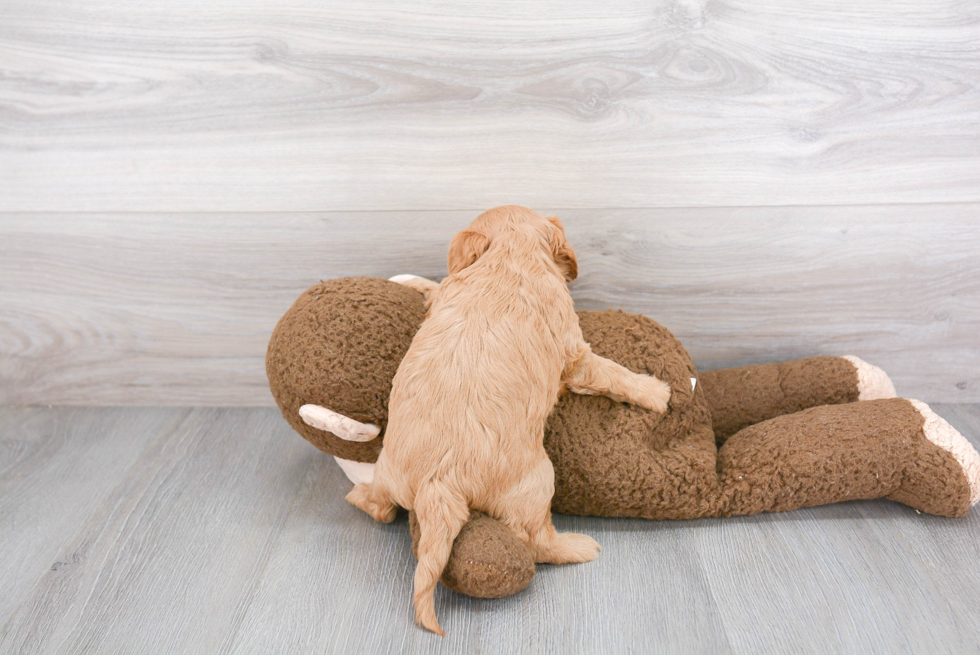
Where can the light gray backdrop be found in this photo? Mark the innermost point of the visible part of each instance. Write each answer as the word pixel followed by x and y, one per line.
pixel 768 180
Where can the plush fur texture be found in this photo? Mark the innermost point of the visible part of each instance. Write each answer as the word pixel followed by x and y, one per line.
pixel 324 351
pixel 743 396
pixel 470 399
pixel 798 440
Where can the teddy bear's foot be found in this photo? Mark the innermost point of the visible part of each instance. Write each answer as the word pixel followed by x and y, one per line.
pixel 944 479
pixel 872 382
pixel 487 559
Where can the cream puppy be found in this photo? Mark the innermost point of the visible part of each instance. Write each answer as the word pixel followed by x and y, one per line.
pixel 469 401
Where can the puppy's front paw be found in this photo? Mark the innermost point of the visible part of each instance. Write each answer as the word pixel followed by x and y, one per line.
pixel 653 394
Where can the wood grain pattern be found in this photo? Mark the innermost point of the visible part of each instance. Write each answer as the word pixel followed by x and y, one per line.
pixel 865 594
pixel 57 468
pixel 249 106
pixel 222 531
pixel 167 560
pixel 176 309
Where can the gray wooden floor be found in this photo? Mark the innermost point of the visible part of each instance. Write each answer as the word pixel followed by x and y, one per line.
pixel 219 530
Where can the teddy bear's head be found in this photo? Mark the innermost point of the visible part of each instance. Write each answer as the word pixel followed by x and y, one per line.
pixel 338 346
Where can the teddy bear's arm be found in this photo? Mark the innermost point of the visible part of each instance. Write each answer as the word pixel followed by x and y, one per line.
pixel 744 396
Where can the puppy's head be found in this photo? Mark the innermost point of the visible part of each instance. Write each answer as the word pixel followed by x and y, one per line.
pixel 467 246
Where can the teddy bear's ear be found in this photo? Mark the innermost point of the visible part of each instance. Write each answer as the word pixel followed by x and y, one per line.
pixel 562 250
pixel 342 426
pixel 466 248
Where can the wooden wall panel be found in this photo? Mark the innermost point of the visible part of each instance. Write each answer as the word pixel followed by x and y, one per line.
pixel 176 309
pixel 770 180
pixel 393 105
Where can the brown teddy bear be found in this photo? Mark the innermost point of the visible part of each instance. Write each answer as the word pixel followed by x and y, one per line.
pixel 767 438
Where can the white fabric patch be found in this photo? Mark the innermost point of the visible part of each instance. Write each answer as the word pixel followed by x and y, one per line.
pixel 944 435
pixel 357 472
pixel 873 383
pixel 346 428
pixel 403 278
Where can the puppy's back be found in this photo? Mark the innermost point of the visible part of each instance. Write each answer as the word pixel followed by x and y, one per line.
pixel 481 376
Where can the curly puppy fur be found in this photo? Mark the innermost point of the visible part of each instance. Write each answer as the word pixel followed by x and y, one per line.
pixel 470 400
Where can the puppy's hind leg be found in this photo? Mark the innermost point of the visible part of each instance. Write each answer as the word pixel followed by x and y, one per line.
pixel 441 513
pixel 552 547
pixel 591 374
pixel 373 499
pixel 526 509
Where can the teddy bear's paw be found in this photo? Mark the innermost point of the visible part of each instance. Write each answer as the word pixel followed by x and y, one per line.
pixel 873 383
pixel 944 435
pixel 567 548
pixel 373 502
pixel 653 394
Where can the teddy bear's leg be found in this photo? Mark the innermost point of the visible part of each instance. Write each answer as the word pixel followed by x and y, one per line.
pixel 893 448
pixel 920 484
pixel 739 397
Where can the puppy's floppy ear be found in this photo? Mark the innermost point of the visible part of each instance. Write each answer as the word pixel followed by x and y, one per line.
pixel 466 248
pixel 564 254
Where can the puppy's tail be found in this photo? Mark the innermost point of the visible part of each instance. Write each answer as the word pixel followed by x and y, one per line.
pixel 441 513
